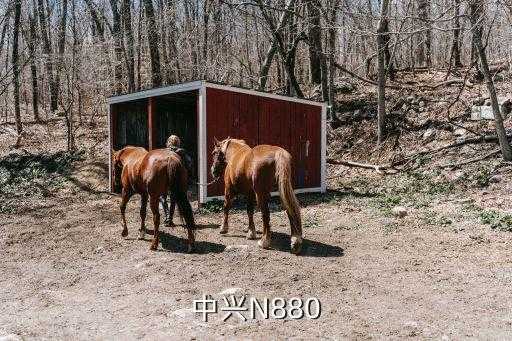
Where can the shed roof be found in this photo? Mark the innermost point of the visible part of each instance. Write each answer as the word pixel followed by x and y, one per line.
pixel 196 85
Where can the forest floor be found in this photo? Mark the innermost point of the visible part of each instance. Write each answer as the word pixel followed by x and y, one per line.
pixel 442 271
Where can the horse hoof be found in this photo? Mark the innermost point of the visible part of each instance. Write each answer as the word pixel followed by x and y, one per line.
pixel 296 245
pixel 124 233
pixel 169 224
pixel 142 234
pixel 251 235
pixel 153 247
pixel 264 243
pixel 224 230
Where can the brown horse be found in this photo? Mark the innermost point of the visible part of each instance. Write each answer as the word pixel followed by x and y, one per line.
pixel 253 172
pixel 152 174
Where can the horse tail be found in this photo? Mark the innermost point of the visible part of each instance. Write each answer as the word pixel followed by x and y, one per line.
pixel 178 180
pixel 283 162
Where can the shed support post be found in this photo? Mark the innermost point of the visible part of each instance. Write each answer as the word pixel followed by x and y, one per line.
pixel 151 123
pixel 202 166
pixel 112 122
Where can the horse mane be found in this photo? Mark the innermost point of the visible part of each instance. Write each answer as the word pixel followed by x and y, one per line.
pixel 228 141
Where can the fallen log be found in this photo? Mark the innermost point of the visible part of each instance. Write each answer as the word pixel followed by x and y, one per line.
pixel 468 161
pixel 381 169
pixel 471 140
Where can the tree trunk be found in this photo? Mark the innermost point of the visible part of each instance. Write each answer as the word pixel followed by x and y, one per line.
pixel 476 9
pixel 424 51
pixel 332 50
pixel 152 34
pixel 456 36
pixel 381 61
pixel 98 30
pixel 61 44
pixel 30 38
pixel 126 16
pixel 287 54
pixel 16 68
pixel 47 51
pixel 315 42
pixel 118 47
pixel 475 12
pixel 265 67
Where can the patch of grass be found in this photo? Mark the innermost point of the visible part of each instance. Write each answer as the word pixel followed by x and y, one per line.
pixel 385 203
pixel 497 220
pixel 33 175
pixel 482 176
pixel 212 206
pixel 433 218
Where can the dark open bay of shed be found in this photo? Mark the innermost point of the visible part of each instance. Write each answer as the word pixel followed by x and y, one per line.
pixel 200 111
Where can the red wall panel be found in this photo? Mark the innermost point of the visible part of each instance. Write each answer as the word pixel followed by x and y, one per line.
pixel 261 120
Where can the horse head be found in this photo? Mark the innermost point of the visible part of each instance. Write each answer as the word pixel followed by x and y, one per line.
pixel 219 156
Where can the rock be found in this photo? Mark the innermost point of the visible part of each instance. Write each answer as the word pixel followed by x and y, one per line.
pixel 479 101
pixel 421 104
pixel 11 337
pixel 454 176
pixel 185 313
pixel 485 112
pixel 399 211
pixel 345 87
pixel 429 135
pixel 231 291
pixel 241 247
pixel 496 178
pixel 459 132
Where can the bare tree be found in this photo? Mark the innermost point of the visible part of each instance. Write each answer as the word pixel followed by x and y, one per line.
pixel 476 9
pixel 382 32
pixel 47 51
pixel 128 33
pixel 315 42
pixel 16 68
pixel 456 55
pixel 152 33
pixel 425 43
pixel 30 36
pixel 118 47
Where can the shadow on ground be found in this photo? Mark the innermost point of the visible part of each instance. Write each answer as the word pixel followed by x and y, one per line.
pixel 310 248
pixel 176 244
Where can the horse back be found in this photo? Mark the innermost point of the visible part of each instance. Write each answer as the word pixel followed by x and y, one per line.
pixel 161 167
pixel 254 167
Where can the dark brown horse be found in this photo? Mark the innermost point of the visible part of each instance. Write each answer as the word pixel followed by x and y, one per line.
pixel 152 174
pixel 253 172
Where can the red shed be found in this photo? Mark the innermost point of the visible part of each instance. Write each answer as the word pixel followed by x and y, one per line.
pixel 199 111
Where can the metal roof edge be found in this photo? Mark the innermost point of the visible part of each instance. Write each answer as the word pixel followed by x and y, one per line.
pixel 165 90
pixel 263 94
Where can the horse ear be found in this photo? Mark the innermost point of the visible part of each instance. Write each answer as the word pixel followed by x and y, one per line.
pixel 216 141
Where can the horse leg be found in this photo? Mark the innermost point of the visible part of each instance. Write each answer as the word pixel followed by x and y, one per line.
pixel 153 203
pixel 251 234
pixel 263 199
pixel 125 197
pixel 143 209
pixel 165 206
pixel 172 208
pixel 228 200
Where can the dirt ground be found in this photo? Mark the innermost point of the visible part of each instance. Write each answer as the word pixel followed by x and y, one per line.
pixel 437 273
